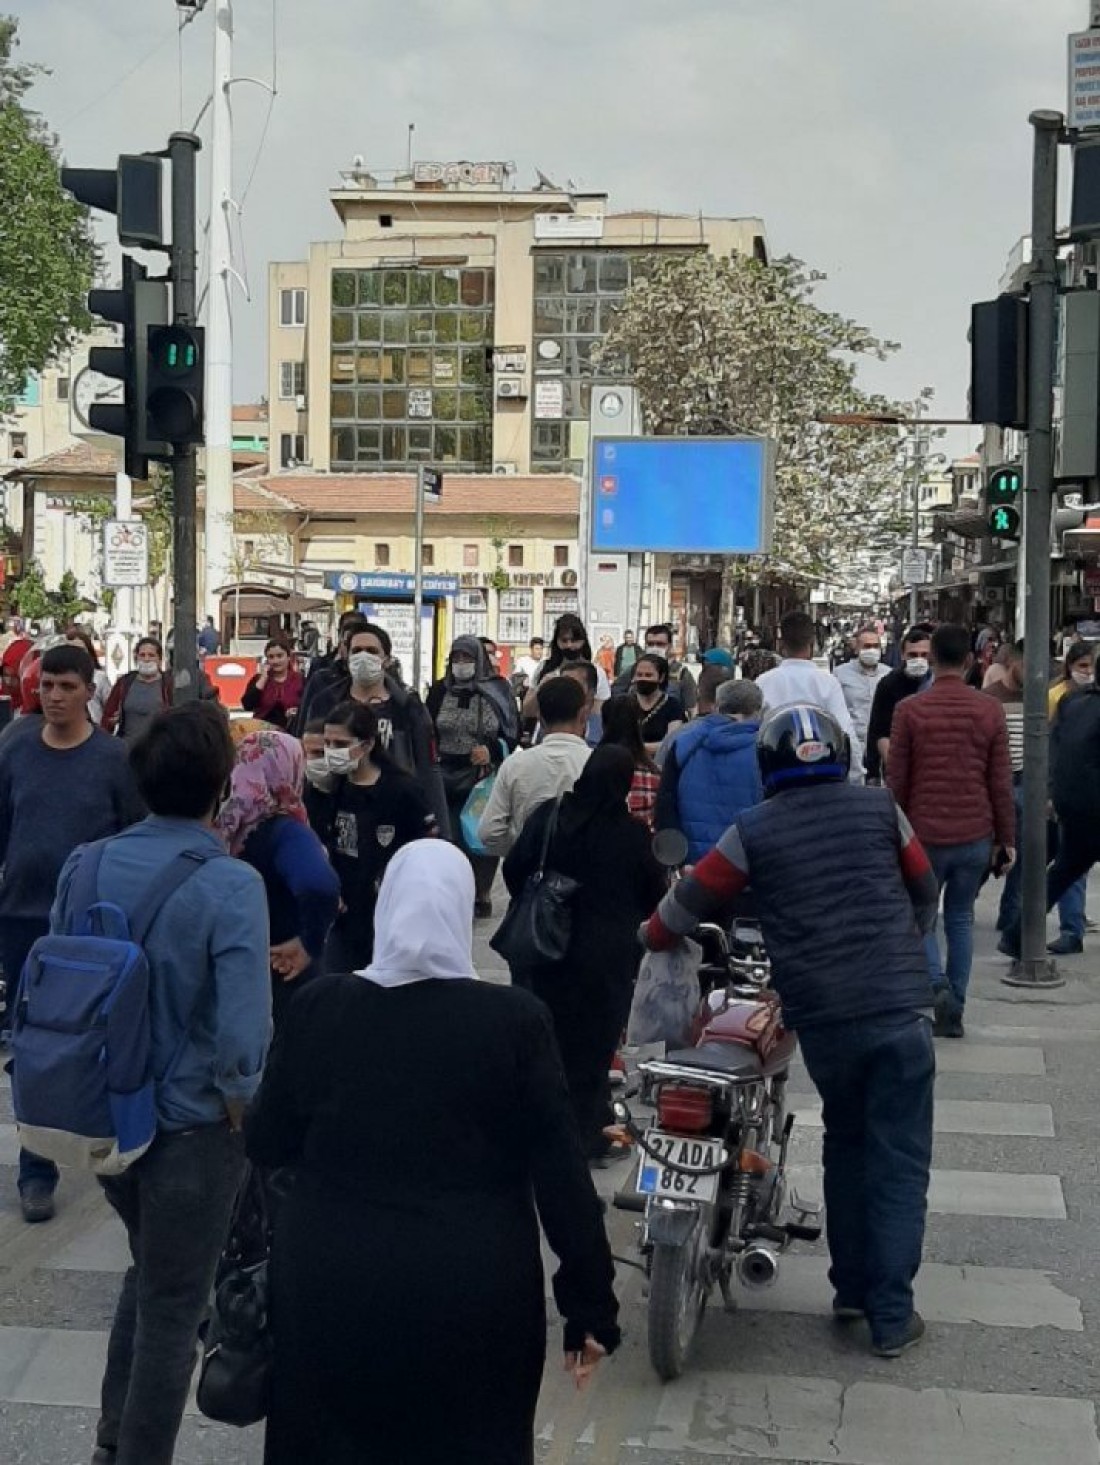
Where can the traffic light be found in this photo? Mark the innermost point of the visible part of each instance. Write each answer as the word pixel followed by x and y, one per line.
pixel 1003 501
pixel 132 191
pixel 174 383
pixel 998 361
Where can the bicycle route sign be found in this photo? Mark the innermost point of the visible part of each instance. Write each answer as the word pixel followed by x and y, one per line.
pixel 125 553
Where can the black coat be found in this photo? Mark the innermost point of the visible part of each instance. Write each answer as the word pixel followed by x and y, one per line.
pixel 1075 758
pixel 426 1124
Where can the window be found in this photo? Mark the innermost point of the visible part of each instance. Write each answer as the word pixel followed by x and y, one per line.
pixel 515 556
pixel 62 388
pixel 18 441
pixel 561 556
pixel 292 380
pixel 292 307
pixel 470 557
pixel 427 555
pixel 292 448
pixel 381 556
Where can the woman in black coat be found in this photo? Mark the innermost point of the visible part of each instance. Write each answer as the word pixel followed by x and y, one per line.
pixel 426 1116
pixel 598 842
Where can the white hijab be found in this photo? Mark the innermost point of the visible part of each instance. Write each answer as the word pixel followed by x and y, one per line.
pixel 423 923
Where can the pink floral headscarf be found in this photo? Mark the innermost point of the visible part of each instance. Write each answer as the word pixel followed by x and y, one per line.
pixel 266 782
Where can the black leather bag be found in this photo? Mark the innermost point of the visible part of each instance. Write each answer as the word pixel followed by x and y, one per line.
pixel 539 922
pixel 235 1376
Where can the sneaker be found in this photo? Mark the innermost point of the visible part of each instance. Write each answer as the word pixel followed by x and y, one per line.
pixel 1066 946
pixel 483 909
pixel 908 1338
pixel 614 1152
pixel 844 1312
pixel 1009 946
pixel 1091 925
pixel 36 1198
pixel 953 1028
pixel 941 1012
pixel 104 1455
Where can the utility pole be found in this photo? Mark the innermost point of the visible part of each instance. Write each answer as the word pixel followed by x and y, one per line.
pixel 219 320
pixel 182 150
pixel 918 474
pixel 1034 968
pixel 418 577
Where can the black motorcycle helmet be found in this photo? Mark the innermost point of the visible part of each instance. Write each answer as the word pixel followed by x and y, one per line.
pixel 801 744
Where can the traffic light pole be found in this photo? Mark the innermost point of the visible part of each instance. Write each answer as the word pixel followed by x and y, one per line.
pixel 182 149
pixel 1034 968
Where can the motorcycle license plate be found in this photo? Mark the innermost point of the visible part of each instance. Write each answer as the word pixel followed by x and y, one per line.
pixel 663 1180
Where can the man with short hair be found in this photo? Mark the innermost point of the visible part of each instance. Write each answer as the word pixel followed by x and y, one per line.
pixel 913 675
pixel 530 776
pixel 62 783
pixel 528 665
pixel 710 679
pixel 587 673
pixel 209 640
pixel 711 775
pixel 797 679
pixel 860 677
pixel 210 1023
pixel 328 672
pixel 951 773
pixel 1009 692
pixel 626 654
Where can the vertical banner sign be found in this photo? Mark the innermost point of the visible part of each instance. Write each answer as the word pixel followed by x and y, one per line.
pixel 125 553
pixel 1083 110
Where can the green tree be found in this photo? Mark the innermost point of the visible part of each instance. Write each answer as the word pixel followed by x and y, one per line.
pixel 29 595
pixel 48 256
pixel 66 601
pixel 724 346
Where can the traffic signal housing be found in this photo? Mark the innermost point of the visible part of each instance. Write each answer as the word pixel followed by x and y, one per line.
pixel 174 383
pixel 998 361
pixel 140 305
pixel 1003 501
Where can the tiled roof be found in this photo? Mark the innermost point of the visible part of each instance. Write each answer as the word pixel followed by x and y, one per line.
pixel 84 460
pixel 250 412
pixel 543 494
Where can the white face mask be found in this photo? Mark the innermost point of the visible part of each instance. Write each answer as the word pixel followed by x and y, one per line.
pixel 317 771
pixel 1082 678
pixel 916 667
pixel 147 670
pixel 463 671
pixel 365 667
pixel 870 656
pixel 341 760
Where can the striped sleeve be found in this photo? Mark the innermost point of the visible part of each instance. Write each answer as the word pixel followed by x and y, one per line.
pixel 917 872
pixel 716 879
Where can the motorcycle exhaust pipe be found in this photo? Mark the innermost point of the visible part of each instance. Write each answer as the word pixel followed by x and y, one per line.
pixel 758 1266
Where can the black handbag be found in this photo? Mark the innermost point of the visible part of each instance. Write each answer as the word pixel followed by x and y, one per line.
pixel 538 924
pixel 235 1375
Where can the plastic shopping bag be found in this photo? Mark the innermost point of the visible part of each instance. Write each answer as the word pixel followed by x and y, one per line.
pixel 666 996
pixel 472 810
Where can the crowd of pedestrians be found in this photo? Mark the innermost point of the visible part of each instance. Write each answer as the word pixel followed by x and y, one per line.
pixel 345 837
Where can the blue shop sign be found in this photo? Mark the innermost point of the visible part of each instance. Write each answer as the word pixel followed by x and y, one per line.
pixel 351 582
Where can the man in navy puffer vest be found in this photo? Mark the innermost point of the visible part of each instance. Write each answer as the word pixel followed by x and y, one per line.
pixel 711 774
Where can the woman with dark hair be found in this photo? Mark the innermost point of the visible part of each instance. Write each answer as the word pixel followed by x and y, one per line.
pixel 78 636
pixel 368 812
pixel 475 726
pixel 622 728
pixel 274 694
pixel 658 713
pixel 139 695
pixel 263 821
pixel 598 842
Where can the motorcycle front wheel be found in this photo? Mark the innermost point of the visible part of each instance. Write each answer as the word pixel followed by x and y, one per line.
pixel 678 1289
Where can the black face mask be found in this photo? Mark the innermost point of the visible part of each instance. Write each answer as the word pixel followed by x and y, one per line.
pixel 571 653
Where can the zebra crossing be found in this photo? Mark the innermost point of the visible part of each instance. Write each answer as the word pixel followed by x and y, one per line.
pixel 1004 1377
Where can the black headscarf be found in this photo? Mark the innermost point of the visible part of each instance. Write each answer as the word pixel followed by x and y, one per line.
pixel 600 792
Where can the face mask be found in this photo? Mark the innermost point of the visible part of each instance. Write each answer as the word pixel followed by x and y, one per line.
pixel 317 770
pixel 646 689
pixel 340 760
pixel 870 656
pixel 463 671
pixel 571 653
pixel 147 670
pixel 365 667
pixel 1082 678
pixel 916 667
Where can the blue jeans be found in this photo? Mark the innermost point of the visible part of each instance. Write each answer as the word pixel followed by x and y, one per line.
pixel 1071 910
pixel 875 1077
pixel 959 871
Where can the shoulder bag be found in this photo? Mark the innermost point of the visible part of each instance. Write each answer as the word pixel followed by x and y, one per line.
pixel 539 922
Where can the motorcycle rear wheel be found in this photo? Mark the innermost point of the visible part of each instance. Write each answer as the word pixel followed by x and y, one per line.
pixel 677 1296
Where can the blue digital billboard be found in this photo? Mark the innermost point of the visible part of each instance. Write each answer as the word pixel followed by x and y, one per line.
pixel 682 495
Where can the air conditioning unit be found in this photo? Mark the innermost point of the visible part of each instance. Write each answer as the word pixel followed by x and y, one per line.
pixel 511 387
pixel 300 401
pixel 505 470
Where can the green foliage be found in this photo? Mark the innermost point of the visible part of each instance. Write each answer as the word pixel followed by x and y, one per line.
pixel 29 595
pixel 47 253
pixel 725 346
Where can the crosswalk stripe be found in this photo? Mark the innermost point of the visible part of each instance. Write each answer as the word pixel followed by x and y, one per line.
pixel 970 1193
pixel 990 1058
pixel 959 1116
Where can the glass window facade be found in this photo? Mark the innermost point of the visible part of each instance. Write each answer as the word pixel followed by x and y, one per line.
pixel 409 378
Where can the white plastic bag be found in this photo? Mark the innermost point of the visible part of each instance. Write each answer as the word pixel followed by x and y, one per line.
pixel 666 996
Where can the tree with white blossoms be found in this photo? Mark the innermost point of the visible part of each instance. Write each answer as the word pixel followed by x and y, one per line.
pixel 724 346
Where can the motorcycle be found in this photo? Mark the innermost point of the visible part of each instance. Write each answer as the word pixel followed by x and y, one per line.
pixel 711 1174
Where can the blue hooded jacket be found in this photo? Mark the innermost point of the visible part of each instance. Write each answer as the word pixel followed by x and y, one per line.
pixel 719 777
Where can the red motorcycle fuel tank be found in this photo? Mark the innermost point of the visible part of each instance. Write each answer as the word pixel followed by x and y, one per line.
pixel 751 1024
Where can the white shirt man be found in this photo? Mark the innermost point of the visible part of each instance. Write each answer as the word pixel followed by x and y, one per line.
pixel 530 664
pixel 859 677
pixel 797 679
pixel 530 777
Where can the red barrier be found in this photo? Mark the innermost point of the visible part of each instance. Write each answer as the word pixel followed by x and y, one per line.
pixel 231 674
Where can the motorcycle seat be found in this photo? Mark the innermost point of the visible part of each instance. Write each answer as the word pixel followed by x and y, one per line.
pixel 732 1059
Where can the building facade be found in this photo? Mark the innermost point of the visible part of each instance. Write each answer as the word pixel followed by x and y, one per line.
pixel 456 320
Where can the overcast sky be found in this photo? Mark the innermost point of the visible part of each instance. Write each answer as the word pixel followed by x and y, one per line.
pixel 883 141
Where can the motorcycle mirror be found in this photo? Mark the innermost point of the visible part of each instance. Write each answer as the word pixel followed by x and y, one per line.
pixel 670 848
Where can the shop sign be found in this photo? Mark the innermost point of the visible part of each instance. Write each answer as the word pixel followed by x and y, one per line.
pixel 460 172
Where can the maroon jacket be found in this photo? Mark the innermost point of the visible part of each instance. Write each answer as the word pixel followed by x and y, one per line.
pixel 949 767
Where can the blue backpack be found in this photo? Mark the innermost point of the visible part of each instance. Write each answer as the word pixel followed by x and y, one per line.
pixel 83 1086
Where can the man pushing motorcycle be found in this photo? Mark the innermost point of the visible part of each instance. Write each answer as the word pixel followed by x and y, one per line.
pixel 857 991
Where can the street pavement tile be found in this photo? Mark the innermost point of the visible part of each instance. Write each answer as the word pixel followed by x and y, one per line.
pixel 959 1116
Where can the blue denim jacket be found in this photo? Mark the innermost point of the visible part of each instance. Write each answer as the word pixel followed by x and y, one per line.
pixel 208 954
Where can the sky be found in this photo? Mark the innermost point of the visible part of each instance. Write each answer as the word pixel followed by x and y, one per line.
pixel 884 142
